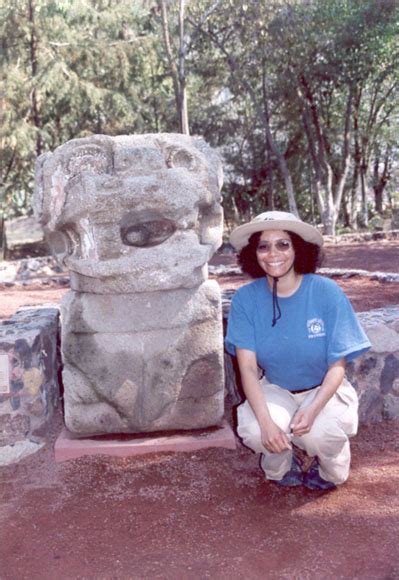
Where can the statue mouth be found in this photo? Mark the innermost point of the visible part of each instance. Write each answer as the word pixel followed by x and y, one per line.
pixel 145 231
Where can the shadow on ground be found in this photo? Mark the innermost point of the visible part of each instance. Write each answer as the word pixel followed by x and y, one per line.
pixel 207 514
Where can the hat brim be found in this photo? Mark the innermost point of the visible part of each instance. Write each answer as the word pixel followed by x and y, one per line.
pixel 240 236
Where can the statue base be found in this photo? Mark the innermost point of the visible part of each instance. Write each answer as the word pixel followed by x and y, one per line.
pixel 68 446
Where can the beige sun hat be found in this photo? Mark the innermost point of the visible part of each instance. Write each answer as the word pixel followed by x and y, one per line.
pixel 275 220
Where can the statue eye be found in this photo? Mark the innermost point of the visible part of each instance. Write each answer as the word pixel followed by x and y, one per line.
pixel 147 233
pixel 89 158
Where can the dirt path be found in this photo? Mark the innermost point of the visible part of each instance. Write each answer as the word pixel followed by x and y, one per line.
pixel 200 515
pixel 382 256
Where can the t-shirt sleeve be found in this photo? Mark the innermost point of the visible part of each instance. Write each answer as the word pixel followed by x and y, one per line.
pixel 346 338
pixel 240 329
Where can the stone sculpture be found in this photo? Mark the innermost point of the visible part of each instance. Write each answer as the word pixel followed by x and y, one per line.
pixel 136 219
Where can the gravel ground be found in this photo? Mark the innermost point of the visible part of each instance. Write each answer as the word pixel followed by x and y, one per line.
pixel 207 514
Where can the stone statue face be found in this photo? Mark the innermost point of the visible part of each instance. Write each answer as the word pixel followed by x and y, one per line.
pixel 132 213
pixel 136 219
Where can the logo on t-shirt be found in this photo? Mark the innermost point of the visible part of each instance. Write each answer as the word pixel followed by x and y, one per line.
pixel 316 328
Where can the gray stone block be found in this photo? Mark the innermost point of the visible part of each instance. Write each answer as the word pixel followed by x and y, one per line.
pixel 147 381
pixel 131 213
pixel 141 311
pixel 384 339
pixel 135 219
pixel 391 406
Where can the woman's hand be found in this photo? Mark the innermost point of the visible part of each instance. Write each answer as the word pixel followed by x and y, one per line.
pixel 304 418
pixel 302 421
pixel 274 438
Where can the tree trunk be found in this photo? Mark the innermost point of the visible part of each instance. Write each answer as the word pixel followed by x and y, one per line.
pixel 352 203
pixel 357 156
pixel 328 199
pixel 380 181
pixel 177 72
pixel 378 196
pixel 364 212
pixel 183 111
pixel 34 95
pixel 330 214
pixel 263 114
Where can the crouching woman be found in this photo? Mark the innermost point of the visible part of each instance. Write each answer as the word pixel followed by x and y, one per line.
pixel 298 329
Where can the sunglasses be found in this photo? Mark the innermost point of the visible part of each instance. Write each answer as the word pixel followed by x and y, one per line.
pixel 281 246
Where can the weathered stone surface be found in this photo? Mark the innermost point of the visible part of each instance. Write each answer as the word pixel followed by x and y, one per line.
pixel 131 213
pixel 23 235
pixel 134 379
pixel 135 219
pixel 376 374
pixel 13 453
pixel 371 405
pixel 29 373
pixel 13 428
pixel 383 338
pixel 390 373
pixel 391 407
pixel 141 311
pixel 395 386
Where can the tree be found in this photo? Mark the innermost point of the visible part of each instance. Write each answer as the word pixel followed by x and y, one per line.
pixel 300 96
pixel 69 69
pixel 327 51
pixel 239 33
pixel 177 56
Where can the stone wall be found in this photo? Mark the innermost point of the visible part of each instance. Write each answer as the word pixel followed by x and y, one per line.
pixel 29 388
pixel 376 374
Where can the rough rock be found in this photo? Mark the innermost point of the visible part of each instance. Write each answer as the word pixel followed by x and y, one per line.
pixel 135 220
pixel 141 311
pixel 391 406
pixel 129 373
pixel 23 235
pixel 13 453
pixel 29 269
pixel 383 338
pixel 131 213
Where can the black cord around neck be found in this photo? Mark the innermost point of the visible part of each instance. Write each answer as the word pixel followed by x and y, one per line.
pixel 276 305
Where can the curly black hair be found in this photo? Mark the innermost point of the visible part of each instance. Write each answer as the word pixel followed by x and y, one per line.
pixel 308 257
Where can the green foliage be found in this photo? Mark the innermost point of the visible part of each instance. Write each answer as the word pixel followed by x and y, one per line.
pixel 71 68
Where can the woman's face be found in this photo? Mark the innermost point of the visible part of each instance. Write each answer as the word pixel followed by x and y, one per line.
pixel 275 253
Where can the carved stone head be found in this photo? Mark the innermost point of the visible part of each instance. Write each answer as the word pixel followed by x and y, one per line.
pixel 131 213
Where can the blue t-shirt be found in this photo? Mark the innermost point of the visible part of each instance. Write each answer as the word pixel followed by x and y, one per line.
pixel 317 328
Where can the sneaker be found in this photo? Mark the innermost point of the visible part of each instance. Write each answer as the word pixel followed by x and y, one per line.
pixel 293 477
pixel 313 480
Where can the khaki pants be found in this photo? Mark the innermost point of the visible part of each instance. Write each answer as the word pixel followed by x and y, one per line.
pixel 328 439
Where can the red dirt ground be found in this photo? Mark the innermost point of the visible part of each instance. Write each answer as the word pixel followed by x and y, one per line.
pixel 207 514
